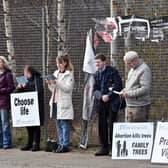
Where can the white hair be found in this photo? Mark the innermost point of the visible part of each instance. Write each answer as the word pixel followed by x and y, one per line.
pixel 130 55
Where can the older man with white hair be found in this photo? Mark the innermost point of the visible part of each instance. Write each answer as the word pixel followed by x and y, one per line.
pixel 137 88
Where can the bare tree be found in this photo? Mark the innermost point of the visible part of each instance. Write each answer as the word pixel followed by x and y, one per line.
pixel 8 33
pixel 48 32
pixel 61 26
pixel 50 11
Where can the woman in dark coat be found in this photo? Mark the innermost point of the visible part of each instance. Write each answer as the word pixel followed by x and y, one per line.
pixel 6 87
pixel 35 83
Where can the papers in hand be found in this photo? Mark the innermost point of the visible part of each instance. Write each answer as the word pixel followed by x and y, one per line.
pixel 50 77
pixel 21 79
pixel 116 92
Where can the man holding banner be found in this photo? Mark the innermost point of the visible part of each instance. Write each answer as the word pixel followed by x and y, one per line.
pixel 137 89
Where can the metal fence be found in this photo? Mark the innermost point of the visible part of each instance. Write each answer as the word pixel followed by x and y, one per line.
pixel 30 46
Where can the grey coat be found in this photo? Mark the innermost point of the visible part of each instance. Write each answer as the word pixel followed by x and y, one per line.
pixel 138 85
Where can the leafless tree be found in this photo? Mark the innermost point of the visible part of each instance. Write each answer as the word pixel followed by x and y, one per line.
pixel 8 33
pixel 61 26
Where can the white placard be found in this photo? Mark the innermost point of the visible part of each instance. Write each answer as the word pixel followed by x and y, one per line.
pixel 132 141
pixel 160 149
pixel 25 109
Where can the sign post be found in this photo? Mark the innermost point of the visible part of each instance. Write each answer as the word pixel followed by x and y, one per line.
pixel 132 141
pixel 160 149
pixel 25 109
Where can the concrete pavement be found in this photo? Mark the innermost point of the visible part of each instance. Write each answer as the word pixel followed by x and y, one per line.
pixel 14 158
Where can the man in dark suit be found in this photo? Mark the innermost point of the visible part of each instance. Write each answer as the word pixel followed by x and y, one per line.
pixel 107 103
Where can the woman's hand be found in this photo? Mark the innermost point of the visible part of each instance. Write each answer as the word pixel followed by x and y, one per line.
pixel 50 82
pixel 47 82
pixel 21 85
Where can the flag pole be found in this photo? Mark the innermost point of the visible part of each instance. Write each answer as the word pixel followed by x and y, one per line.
pixel 113 44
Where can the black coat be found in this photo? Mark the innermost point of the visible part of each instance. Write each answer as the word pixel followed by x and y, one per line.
pixel 110 79
pixel 36 84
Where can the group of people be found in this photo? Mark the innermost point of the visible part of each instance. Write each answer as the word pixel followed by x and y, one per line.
pixel 61 107
pixel 6 88
pixel 110 95
pixel 108 92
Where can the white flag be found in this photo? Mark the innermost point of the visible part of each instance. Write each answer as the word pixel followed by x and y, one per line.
pixel 89 62
pixel 89 68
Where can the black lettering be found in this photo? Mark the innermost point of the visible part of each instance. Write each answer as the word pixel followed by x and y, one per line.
pixel 23 102
pixel 140 151
pixel 165 152
pixel 24 111
pixel 15 101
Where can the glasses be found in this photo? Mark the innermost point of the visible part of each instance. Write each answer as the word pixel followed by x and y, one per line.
pixel 129 62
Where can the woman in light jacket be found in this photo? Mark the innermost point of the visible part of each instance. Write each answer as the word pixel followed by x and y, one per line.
pixel 61 100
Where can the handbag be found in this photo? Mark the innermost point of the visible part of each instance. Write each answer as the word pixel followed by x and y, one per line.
pixel 51 145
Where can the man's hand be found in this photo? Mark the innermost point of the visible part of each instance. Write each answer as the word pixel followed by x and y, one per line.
pixel 105 98
pixel 123 94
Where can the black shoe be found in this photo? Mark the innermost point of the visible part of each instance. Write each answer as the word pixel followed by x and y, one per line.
pixel 102 152
pixel 26 148
pixel 58 148
pixel 36 148
pixel 7 147
pixel 62 149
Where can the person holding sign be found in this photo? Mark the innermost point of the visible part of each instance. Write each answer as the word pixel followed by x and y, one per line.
pixel 6 87
pixel 61 100
pixel 137 88
pixel 107 103
pixel 33 82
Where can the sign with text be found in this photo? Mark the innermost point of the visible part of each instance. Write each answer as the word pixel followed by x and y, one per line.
pixel 132 141
pixel 139 27
pixel 25 109
pixel 160 149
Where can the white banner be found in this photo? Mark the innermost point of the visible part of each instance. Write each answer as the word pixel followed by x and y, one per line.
pixel 132 141
pixel 25 109
pixel 160 150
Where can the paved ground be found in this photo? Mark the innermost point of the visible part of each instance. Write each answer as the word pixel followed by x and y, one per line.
pixel 14 158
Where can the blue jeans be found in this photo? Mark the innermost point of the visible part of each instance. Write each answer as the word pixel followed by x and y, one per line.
pixel 63 129
pixel 5 132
